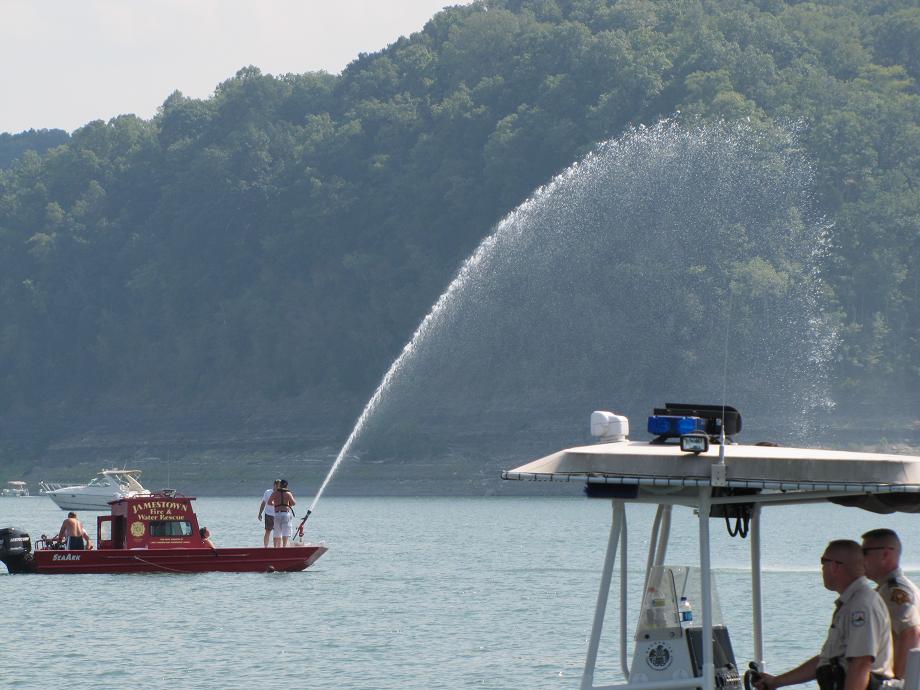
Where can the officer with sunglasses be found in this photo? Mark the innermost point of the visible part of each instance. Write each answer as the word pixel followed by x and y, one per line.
pixel 857 652
pixel 882 555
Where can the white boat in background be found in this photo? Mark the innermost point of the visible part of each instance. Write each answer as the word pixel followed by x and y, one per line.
pixel 15 489
pixel 108 485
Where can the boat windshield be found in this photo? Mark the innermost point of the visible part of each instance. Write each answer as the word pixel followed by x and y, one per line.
pixel 170 528
pixel 100 481
pixel 127 481
pixel 661 602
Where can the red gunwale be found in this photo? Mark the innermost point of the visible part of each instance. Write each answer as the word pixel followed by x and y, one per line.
pixel 160 533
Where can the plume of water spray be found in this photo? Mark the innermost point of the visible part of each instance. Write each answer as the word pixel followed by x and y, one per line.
pixel 429 323
pixel 611 284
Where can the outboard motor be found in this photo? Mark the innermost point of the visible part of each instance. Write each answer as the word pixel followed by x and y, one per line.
pixel 15 550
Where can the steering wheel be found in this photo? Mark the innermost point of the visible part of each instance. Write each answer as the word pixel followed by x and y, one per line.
pixel 751 676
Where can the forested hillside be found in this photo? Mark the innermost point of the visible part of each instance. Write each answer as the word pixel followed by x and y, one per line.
pixel 13 146
pixel 282 238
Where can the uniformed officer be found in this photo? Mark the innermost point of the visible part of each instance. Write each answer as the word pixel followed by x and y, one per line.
pixel 858 644
pixel 882 555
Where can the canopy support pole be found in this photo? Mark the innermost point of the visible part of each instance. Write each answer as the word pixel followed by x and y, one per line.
pixel 665 535
pixel 624 664
pixel 653 543
pixel 705 503
pixel 756 591
pixel 616 525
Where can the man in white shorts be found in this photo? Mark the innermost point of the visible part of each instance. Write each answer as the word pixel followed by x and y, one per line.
pixel 269 511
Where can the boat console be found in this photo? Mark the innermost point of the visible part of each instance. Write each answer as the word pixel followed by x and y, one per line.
pixel 669 639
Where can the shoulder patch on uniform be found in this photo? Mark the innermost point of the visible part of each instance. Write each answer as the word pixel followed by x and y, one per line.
pixel 857 618
pixel 899 596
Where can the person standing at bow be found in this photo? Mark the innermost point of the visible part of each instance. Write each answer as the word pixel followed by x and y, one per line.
pixel 282 500
pixel 882 554
pixel 269 512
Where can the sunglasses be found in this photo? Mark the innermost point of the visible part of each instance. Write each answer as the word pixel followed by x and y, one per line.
pixel 867 549
pixel 825 561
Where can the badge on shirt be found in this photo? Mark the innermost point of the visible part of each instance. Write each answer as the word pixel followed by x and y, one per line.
pixel 899 596
pixel 858 618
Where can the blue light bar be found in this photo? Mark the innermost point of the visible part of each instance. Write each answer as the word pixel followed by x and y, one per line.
pixel 667 425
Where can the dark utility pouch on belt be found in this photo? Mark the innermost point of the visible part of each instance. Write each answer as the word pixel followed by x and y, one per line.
pixel 832 676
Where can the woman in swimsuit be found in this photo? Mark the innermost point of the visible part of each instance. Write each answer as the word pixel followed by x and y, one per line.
pixel 283 502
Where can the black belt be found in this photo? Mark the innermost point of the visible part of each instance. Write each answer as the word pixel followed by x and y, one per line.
pixel 832 676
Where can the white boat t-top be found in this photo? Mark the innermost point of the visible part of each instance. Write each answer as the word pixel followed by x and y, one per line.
pixel 692 461
pixel 107 486
pixel 15 488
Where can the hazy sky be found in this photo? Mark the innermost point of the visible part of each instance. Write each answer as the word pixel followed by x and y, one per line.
pixel 66 62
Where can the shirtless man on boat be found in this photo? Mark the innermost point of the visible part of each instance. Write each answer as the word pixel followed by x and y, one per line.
pixel 72 530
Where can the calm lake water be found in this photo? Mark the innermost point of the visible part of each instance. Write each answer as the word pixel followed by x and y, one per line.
pixel 413 593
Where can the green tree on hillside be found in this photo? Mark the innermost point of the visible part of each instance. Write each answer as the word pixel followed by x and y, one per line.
pixel 284 236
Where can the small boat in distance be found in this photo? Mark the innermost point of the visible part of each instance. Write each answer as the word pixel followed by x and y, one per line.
pixel 15 489
pixel 107 486
pixel 153 533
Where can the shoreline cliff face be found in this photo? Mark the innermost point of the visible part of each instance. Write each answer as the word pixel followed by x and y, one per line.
pixel 231 452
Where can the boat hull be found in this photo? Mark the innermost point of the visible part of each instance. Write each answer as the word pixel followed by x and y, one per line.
pixel 86 502
pixel 198 560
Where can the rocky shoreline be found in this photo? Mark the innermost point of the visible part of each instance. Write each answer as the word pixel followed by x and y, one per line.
pixel 238 450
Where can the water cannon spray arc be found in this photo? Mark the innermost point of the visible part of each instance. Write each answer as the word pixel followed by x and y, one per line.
pixel 607 282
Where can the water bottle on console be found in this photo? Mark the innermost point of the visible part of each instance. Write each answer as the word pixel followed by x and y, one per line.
pixel 686 613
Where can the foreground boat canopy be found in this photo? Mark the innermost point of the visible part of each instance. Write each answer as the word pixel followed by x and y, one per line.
pixel 693 462
pixel 875 481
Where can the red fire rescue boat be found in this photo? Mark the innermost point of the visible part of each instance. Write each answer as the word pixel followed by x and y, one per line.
pixel 158 533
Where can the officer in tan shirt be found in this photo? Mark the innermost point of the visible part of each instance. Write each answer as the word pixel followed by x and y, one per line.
pixel 882 556
pixel 858 643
